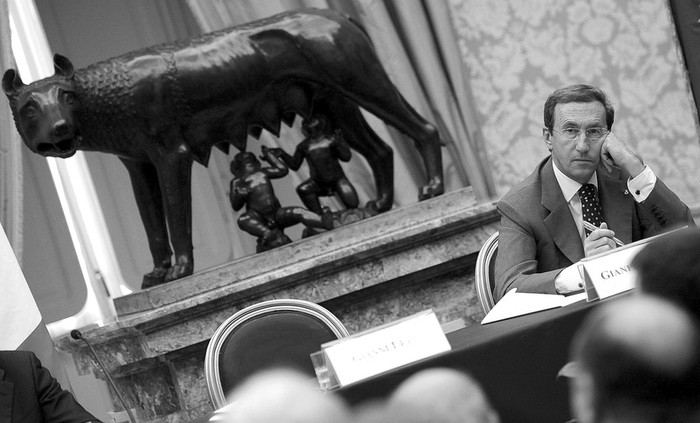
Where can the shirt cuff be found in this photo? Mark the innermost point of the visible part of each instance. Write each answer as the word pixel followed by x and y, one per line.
pixel 641 185
pixel 568 280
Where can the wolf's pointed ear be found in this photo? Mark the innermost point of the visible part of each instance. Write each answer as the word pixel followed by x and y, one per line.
pixel 11 82
pixel 63 66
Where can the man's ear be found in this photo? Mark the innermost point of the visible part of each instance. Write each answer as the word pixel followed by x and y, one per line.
pixel 547 135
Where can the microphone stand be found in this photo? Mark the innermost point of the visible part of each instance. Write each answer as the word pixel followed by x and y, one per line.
pixel 75 334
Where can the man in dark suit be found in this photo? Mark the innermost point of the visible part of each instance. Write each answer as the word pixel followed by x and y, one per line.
pixel 542 233
pixel 29 394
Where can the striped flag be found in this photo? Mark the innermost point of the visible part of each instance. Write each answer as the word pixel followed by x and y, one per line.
pixel 21 325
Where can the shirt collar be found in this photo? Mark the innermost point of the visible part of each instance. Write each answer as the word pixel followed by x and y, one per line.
pixel 568 186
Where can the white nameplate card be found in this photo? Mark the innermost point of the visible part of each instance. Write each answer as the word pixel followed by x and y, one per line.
pixel 610 273
pixel 386 347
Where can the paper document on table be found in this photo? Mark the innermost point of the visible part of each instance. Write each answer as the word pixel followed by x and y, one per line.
pixel 520 303
pixel 570 299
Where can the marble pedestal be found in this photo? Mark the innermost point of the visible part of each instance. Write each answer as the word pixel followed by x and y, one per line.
pixel 367 273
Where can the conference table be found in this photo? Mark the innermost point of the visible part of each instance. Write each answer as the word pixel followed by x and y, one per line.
pixel 516 361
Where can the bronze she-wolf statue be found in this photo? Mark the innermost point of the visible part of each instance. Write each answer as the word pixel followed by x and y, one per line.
pixel 161 108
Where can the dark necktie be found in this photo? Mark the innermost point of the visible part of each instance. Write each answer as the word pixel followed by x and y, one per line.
pixel 590 206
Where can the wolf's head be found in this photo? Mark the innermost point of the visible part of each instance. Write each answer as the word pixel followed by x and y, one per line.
pixel 44 111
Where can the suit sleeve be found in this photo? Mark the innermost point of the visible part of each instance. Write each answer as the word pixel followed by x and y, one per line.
pixel 516 262
pixel 57 404
pixel 662 211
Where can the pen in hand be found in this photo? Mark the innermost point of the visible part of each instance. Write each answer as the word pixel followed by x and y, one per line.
pixel 591 227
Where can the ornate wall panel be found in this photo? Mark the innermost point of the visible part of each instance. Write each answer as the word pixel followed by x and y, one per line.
pixel 517 52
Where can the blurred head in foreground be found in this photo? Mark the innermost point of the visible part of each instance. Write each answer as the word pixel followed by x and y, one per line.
pixel 670 268
pixel 283 396
pixel 637 360
pixel 441 395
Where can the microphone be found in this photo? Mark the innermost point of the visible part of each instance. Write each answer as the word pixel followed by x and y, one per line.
pixel 75 334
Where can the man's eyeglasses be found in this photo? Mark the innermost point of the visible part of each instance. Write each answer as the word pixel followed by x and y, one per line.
pixel 591 133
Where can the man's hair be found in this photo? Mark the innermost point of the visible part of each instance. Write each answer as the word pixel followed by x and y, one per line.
pixel 642 353
pixel 578 93
pixel 670 268
pixel 441 395
pixel 283 395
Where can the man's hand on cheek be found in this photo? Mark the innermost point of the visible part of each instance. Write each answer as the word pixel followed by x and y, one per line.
pixel 616 154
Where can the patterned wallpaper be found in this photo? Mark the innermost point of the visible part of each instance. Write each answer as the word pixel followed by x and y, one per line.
pixel 517 52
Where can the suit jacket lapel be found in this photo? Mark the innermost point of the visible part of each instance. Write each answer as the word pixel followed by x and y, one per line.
pixel 618 206
pixel 7 390
pixel 559 222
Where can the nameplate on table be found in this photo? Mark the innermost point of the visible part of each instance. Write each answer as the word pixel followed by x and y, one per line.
pixel 386 347
pixel 610 273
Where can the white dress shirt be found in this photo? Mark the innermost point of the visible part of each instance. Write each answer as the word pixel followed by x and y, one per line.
pixel 640 187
